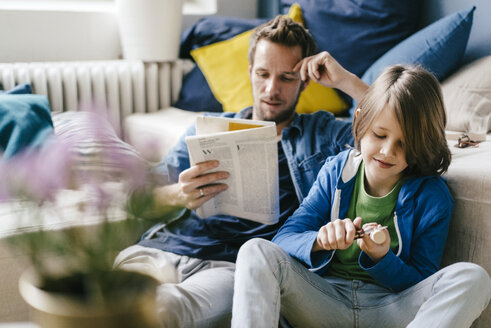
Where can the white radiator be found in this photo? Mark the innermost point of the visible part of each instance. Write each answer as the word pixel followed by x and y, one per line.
pixel 122 87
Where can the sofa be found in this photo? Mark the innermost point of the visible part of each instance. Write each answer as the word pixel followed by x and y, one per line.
pixel 453 48
pixel 462 64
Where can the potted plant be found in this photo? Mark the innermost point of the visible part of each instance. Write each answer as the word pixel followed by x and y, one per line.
pixel 71 282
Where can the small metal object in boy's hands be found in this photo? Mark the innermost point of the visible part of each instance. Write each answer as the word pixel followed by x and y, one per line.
pixel 376 234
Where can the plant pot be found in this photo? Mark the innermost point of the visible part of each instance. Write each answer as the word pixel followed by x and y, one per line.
pixel 59 309
pixel 150 30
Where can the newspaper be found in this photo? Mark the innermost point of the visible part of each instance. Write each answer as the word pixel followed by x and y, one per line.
pixel 247 150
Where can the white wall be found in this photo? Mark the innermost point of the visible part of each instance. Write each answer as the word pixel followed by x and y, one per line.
pixel 52 35
pixel 236 8
pixel 66 34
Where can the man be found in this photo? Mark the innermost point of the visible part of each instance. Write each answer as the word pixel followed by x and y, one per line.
pixel 194 257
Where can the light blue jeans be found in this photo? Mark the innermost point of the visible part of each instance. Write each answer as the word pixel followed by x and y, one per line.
pixel 268 281
pixel 193 292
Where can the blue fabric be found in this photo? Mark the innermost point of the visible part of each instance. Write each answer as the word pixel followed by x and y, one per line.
pixel 195 94
pixel 357 33
pixel 21 89
pixel 438 47
pixel 25 123
pixel 422 217
pixel 213 29
pixel 308 141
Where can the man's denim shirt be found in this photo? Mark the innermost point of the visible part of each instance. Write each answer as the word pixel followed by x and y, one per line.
pixel 307 142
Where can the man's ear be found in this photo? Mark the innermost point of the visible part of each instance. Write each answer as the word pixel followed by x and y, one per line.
pixel 250 70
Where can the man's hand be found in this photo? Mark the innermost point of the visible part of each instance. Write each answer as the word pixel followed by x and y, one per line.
pixel 324 69
pixel 375 251
pixel 338 234
pixel 194 188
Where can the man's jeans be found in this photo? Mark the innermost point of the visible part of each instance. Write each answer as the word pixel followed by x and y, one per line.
pixel 193 293
pixel 268 281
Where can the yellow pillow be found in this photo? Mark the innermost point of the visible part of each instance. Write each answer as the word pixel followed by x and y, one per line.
pixel 225 67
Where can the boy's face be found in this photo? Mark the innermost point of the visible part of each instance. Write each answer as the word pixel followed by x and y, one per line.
pixel 382 148
pixel 275 87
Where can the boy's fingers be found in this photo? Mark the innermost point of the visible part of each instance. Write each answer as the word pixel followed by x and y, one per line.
pixel 350 231
pixel 357 222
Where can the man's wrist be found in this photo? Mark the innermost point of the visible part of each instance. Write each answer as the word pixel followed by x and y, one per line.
pixel 354 87
pixel 166 196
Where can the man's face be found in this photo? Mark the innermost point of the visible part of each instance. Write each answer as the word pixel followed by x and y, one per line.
pixel 275 87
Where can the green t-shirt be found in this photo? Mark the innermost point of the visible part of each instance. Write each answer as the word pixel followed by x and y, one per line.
pixel 371 209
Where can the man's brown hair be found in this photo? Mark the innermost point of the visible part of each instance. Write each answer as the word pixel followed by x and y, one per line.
pixel 415 96
pixel 282 30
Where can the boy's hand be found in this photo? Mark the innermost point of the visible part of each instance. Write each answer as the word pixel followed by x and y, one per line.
pixel 338 234
pixel 375 251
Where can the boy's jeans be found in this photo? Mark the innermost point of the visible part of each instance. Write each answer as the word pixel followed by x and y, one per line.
pixel 268 280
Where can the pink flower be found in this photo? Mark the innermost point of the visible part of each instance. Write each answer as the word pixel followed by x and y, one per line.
pixel 37 175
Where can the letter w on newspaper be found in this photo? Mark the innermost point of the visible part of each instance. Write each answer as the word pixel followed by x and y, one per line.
pixel 247 149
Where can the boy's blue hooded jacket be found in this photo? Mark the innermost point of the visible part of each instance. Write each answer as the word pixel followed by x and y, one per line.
pixel 422 217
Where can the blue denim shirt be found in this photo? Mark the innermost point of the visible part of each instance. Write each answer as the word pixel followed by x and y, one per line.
pixel 306 143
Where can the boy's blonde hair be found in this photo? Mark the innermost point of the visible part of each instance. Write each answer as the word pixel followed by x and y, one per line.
pixel 415 96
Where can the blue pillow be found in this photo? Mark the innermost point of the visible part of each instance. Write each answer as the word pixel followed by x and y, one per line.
pixel 439 47
pixel 21 89
pixel 357 33
pixel 195 94
pixel 213 29
pixel 25 123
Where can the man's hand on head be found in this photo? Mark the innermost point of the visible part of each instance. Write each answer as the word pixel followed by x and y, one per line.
pixel 322 68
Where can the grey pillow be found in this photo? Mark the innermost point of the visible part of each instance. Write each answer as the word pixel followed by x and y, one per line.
pixel 467 97
pixel 96 145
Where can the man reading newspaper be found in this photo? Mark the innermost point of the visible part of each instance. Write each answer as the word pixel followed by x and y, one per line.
pixel 194 257
pixel 239 145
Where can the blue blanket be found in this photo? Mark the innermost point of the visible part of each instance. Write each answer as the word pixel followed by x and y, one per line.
pixel 25 123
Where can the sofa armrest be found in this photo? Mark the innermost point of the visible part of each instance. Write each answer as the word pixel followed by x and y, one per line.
pixel 154 134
